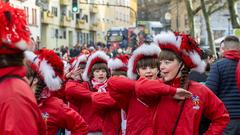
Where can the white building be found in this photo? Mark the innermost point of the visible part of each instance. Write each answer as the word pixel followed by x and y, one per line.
pixel 33 15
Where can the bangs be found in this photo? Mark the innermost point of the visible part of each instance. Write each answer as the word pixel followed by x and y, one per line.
pixel 168 55
pixel 118 73
pixel 148 61
pixel 98 66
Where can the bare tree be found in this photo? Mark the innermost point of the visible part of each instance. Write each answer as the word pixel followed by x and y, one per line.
pixel 208 8
pixel 191 13
pixel 233 14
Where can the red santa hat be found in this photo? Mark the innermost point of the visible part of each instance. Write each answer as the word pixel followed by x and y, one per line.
pixel 81 59
pixel 14 31
pixel 118 63
pixel 145 50
pixel 184 46
pixel 48 66
pixel 97 57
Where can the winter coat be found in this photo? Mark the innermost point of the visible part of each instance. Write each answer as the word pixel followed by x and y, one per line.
pixel 79 95
pixel 139 114
pixel 19 113
pixel 105 106
pixel 203 102
pixel 58 115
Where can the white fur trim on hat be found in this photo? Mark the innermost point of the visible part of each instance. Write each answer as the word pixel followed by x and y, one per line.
pixel 98 54
pixel 22 45
pixel 146 50
pixel 116 63
pixel 46 71
pixel 168 37
pixel 30 56
pixel 52 81
pixel 196 59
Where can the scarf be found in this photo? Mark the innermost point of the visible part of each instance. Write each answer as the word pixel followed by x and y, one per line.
pixel 234 55
pixel 100 87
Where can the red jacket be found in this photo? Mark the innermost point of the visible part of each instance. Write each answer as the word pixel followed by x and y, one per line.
pixel 203 102
pixel 58 115
pixel 19 113
pixel 105 106
pixel 139 115
pixel 79 95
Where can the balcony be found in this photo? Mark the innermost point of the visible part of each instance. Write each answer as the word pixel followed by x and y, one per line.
pixel 65 21
pixel 93 9
pixel 64 2
pixel 81 24
pixel 47 17
pixel 94 26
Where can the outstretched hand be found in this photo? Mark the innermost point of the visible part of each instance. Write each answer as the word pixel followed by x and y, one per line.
pixel 182 94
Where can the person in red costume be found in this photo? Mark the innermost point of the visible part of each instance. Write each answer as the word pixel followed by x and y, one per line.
pixel 92 97
pixel 76 68
pixel 142 63
pixel 47 81
pixel 181 116
pixel 19 113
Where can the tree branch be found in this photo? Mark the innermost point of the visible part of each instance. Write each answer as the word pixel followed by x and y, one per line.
pixel 213 4
pixel 196 10
pixel 217 9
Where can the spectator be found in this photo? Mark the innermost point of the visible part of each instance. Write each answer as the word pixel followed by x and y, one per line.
pixel 222 80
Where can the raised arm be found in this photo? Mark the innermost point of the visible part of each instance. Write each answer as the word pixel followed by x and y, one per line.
pixel 77 91
pixel 102 102
pixel 121 90
pixel 149 89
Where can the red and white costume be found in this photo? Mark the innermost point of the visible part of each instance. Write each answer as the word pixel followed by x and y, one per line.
pixel 139 115
pixel 19 113
pixel 55 112
pixel 203 101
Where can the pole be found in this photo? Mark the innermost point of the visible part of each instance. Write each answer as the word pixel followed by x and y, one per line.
pixel 177 16
pixel 229 32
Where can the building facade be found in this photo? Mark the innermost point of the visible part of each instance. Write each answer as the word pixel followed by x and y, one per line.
pixel 33 16
pixel 62 27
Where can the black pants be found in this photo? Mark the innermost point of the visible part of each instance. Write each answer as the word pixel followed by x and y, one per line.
pixel 233 128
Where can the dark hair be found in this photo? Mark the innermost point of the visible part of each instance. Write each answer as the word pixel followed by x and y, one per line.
pixel 147 61
pixel 39 88
pixel 231 43
pixel 118 73
pixel 169 55
pixel 231 38
pixel 206 53
pixel 7 60
pixel 98 66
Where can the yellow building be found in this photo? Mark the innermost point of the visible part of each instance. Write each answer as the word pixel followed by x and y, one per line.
pixel 61 27
pixel 114 13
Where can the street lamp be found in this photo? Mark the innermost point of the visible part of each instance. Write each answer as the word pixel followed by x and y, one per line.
pixel 167 19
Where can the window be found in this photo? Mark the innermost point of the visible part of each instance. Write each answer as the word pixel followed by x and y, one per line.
pixel 27 13
pixel 85 17
pixel 54 11
pixel 64 34
pixel 56 33
pixel 34 16
pixel 186 20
